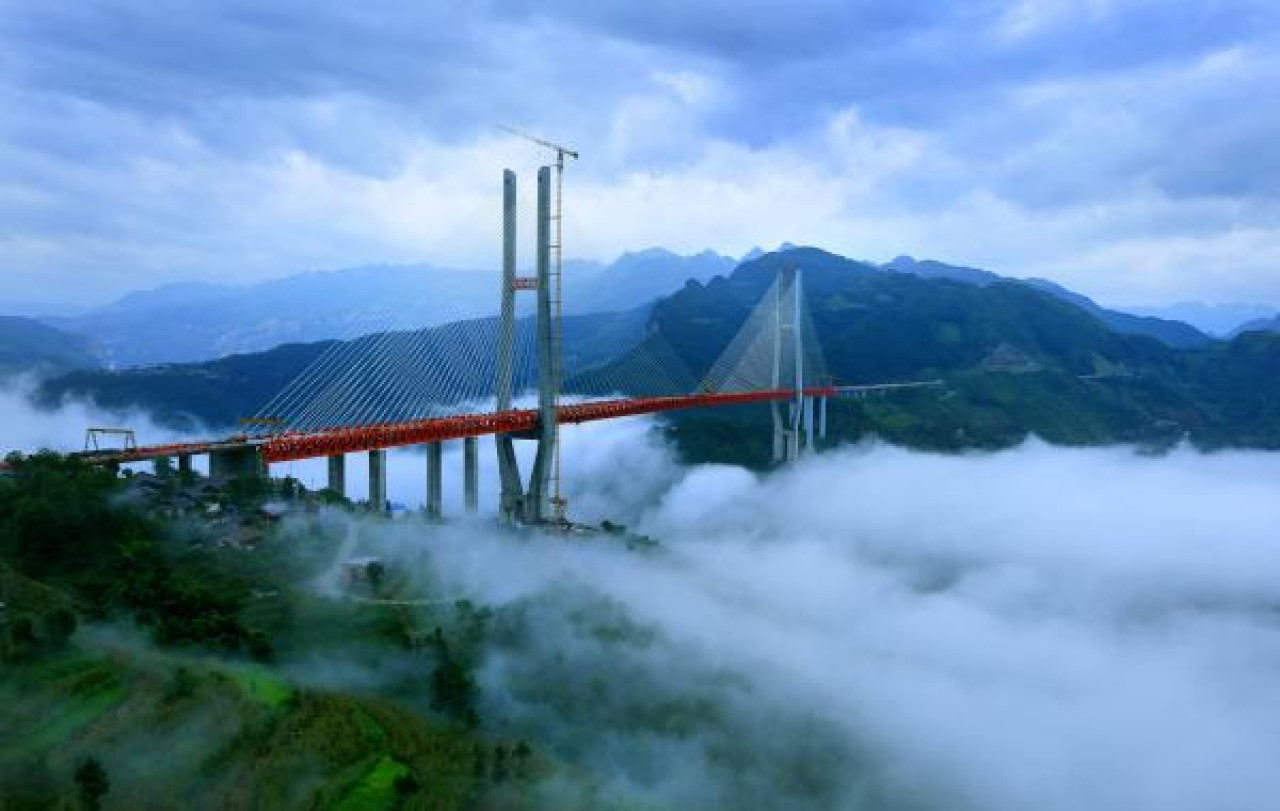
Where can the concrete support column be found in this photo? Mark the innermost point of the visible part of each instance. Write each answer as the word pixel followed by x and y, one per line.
pixel 536 502
pixel 470 474
pixel 511 502
pixel 822 418
pixel 338 474
pixel 435 474
pixel 378 481
pixel 808 424
pixel 779 433
pixel 233 462
pixel 793 433
pixel 184 464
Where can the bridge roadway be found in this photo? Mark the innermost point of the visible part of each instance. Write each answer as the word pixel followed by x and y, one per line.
pixel 291 446
pixel 295 445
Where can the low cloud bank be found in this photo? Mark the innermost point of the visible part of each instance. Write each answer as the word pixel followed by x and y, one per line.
pixel 27 429
pixel 1037 628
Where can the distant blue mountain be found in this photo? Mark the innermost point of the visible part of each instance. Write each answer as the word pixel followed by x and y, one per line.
pixel 1271 324
pixel 193 322
pixel 1174 333
pixel 28 346
pixel 1219 320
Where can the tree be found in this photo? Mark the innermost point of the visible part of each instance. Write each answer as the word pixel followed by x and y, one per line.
pixel 407 785
pixel 19 638
pixel 453 690
pixel 499 764
pixel 59 626
pixel 376 572
pixel 92 783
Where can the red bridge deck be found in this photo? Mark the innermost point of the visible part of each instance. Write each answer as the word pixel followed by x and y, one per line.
pixel 291 446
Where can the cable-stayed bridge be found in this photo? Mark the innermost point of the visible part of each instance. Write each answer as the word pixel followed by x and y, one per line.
pixel 518 378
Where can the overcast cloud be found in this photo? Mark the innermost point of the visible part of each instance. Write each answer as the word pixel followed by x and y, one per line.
pixel 1122 147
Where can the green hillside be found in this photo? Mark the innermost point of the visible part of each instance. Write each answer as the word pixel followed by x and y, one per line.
pixel 171 660
pixel 877 326
pixel 1016 361
pixel 30 346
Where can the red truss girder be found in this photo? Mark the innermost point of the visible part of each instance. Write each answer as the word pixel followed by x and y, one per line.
pixel 330 442
pixel 147 452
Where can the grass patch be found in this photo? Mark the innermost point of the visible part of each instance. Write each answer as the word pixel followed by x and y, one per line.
pixel 263 686
pixel 85 691
pixel 376 791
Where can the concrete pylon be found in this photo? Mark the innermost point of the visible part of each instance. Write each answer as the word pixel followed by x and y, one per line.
pixel 536 504
pixel 787 321
pixel 470 475
pixel 511 498
pixel 184 464
pixel 435 484
pixel 798 418
pixel 378 481
pixel 775 407
pixel 337 481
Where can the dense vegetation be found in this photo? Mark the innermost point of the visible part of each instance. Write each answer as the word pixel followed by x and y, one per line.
pixel 142 656
pixel 1015 360
pixel 130 674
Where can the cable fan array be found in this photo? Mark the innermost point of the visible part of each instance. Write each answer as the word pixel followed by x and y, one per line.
pixel 401 375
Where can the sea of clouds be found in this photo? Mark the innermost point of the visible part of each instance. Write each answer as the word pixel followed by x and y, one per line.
pixel 874 627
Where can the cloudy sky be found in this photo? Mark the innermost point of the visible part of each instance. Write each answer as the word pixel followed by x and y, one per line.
pixel 1128 148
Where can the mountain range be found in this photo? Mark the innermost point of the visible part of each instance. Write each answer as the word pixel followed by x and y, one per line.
pixel 207 321
pixel 1018 357
pixel 29 346
pixel 1218 320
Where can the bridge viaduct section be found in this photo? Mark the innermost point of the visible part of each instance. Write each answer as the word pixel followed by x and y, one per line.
pixel 780 336
pixel 516 503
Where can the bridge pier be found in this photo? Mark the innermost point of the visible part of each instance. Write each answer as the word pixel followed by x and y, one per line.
pixel 378 481
pixel 797 423
pixel 435 474
pixel 511 499
pixel 779 433
pixel 808 425
pixel 184 464
pixel 822 418
pixel 470 475
pixel 236 462
pixel 337 481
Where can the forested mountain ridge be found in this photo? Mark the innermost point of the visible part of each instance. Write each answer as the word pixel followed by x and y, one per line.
pixel 26 345
pixel 1017 359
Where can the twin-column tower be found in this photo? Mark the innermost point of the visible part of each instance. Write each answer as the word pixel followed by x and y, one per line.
pixel 517 504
